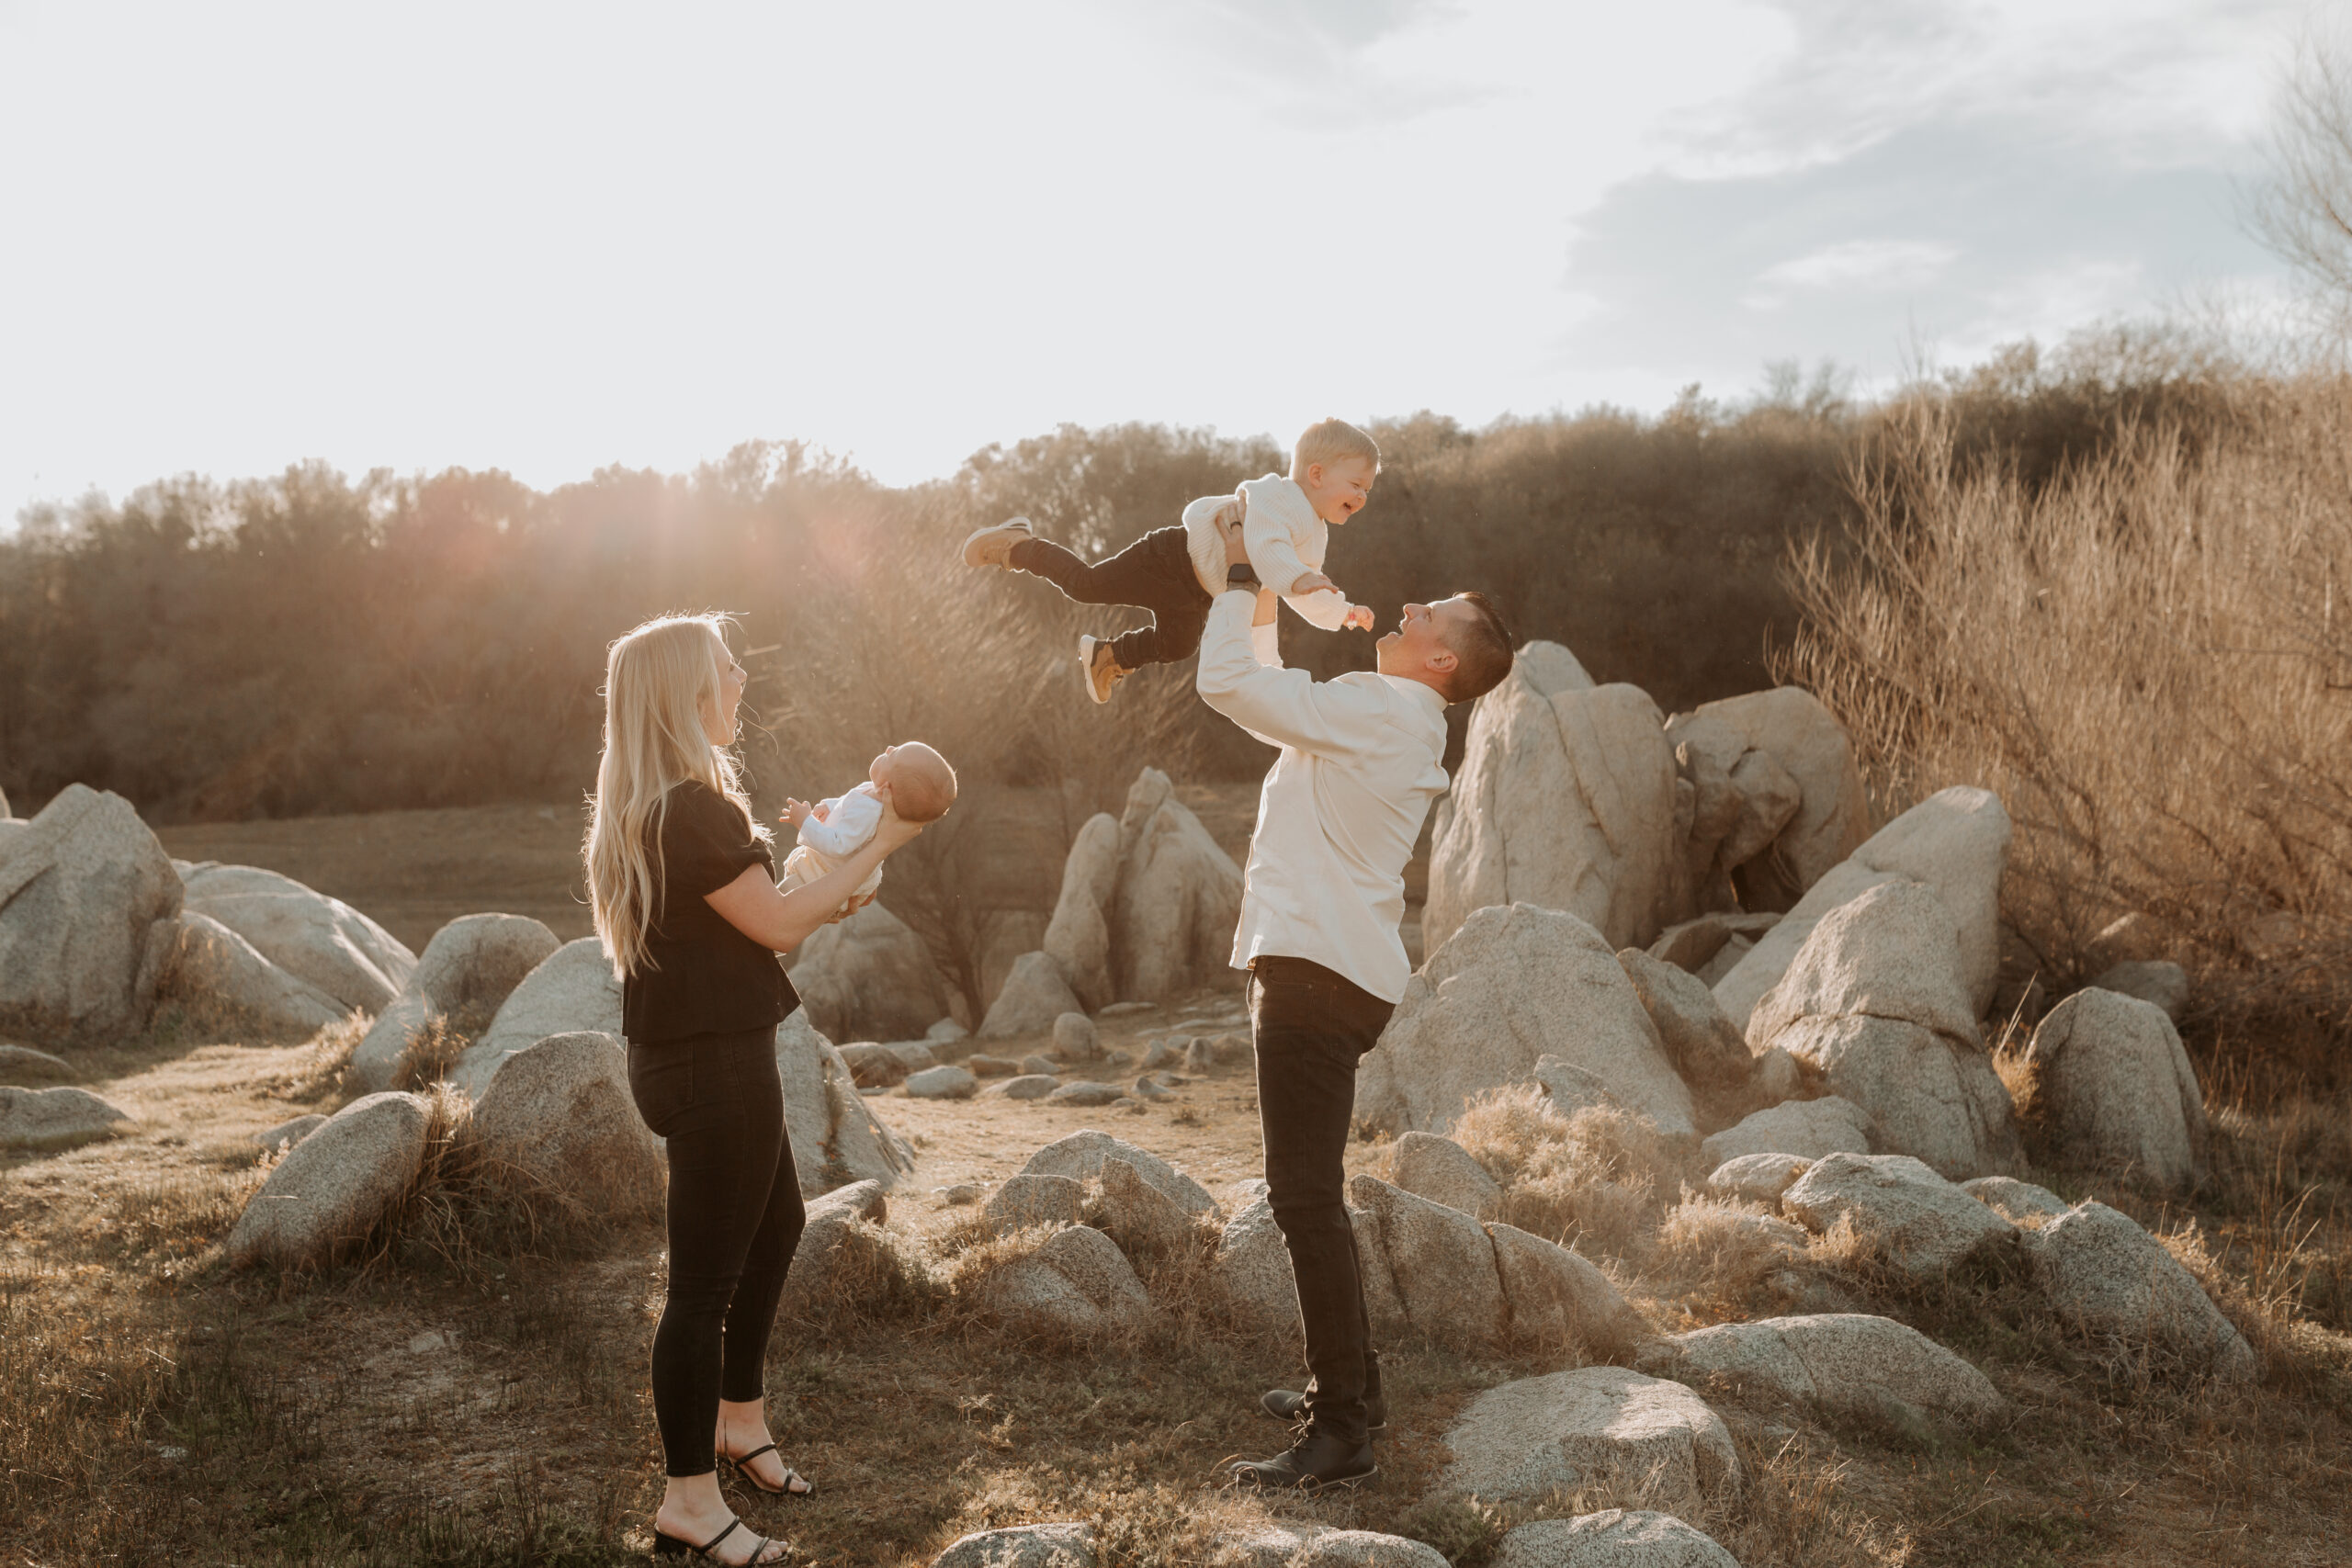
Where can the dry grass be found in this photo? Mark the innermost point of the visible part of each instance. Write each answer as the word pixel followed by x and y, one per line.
pixel 1599 1179
pixel 2151 662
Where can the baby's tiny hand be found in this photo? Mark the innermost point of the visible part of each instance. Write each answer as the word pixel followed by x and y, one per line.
pixel 1310 582
pixel 1359 616
pixel 819 813
pixel 797 812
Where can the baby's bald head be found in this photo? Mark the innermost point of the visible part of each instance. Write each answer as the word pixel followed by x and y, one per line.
pixel 923 786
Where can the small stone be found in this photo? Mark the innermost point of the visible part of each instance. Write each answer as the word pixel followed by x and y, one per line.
pixel 16 1059
pixel 286 1134
pixel 1162 1054
pixel 1145 1089
pixel 912 1055
pixel 962 1195
pixel 1086 1093
pixel 2020 1200
pixel 992 1067
pixel 426 1342
pixel 1083 1155
pixel 51 1119
pixel 1028 1086
pixel 872 1066
pixel 1615 1538
pixel 1903 1212
pixel 1038 1062
pixel 1076 1038
pixel 1128 1010
pixel 943 1083
pixel 1022 1546
pixel 947 1032
pixel 1521 1440
pixel 1200 1057
pixel 1758 1178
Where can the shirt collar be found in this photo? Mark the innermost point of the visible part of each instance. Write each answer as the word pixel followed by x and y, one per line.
pixel 1421 692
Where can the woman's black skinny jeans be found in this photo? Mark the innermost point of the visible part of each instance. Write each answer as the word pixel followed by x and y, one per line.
pixel 735 1217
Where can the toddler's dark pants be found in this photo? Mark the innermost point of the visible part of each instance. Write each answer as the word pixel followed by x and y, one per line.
pixel 1155 573
pixel 735 1218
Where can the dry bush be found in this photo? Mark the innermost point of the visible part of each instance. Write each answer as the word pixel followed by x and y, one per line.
pixel 1716 1264
pixel 876 1278
pixel 1600 1177
pixel 430 1053
pixel 318 1070
pixel 2147 661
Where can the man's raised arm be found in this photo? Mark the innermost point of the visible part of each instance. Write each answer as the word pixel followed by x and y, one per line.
pixel 1242 676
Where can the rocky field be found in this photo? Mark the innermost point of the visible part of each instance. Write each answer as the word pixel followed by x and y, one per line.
pixel 1728 1193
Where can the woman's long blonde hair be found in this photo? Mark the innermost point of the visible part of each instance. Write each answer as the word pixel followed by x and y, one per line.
pixel 658 680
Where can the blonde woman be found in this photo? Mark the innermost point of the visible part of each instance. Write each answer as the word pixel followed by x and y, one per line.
pixel 683 883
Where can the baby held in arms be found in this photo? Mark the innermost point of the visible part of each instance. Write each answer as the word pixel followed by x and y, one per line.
pixel 916 779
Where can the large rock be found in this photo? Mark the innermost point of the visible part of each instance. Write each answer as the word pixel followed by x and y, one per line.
pixel 1558 1297
pixel 1078 938
pixel 1179 898
pixel 1565 798
pixel 1875 1003
pixel 1700 1040
pixel 1808 1128
pixel 2112 1083
pixel 1757 1178
pixel 1903 1212
pixel 869 977
pixel 1442 1171
pixel 51 1119
pixel 1762 746
pixel 1022 1546
pixel 317 939
pixel 1033 996
pixel 332 1187
pixel 472 966
pixel 2159 980
pixel 2111 1279
pixel 1513 984
pixel 1075 1282
pixel 1850 1364
pixel 1519 1442
pixel 2015 1200
pixel 1442 1262
pixel 840 1243
pixel 572 991
pixel 1694 943
pixel 1251 1274
pixel 560 1114
pixel 1080 1156
pixel 1285 1545
pixel 88 908
pixel 836 1137
pixel 1613 1537
pixel 1143 1220
pixel 1026 1201
pixel 224 982
pixel 1956 841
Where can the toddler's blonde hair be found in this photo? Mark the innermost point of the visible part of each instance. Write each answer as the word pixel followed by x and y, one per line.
pixel 1331 441
pixel 658 681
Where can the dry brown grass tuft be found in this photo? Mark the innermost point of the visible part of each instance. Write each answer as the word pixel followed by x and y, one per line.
pixel 1599 1179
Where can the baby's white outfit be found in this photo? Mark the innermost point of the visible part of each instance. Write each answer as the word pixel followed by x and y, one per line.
pixel 849 820
pixel 1286 541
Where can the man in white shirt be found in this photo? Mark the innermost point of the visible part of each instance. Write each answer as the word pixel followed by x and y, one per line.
pixel 1361 759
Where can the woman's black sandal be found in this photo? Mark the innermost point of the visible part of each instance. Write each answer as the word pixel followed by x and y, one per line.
pixel 665 1545
pixel 744 1468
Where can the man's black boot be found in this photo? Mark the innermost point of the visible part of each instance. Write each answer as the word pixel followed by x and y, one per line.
pixel 1315 1463
pixel 1282 1405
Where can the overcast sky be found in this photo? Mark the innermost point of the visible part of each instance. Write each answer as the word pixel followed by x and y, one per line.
pixel 550 238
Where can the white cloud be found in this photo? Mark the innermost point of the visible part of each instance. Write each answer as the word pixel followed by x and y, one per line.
pixel 1875 264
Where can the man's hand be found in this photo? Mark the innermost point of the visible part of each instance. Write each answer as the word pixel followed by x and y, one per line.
pixel 1359 616
pixel 1270 605
pixel 1228 522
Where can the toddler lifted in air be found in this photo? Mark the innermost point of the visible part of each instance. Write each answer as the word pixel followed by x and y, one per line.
pixel 918 783
pixel 1174 572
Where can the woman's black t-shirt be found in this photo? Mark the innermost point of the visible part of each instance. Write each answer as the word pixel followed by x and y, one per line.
pixel 701 974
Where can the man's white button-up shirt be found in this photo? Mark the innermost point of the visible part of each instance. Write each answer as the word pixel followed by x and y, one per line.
pixel 1342 809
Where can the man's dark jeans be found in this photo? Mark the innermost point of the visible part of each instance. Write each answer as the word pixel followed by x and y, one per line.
pixel 1310 1027
pixel 1154 573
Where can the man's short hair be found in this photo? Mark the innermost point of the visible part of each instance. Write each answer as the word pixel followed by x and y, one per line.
pixel 1482 653
pixel 1329 441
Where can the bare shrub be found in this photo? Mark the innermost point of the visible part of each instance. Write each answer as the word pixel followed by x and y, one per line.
pixel 876 1276
pixel 2147 661
pixel 1600 1176
pixel 1717 1258
pixel 319 1069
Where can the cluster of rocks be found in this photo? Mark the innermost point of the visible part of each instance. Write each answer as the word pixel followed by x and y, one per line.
pixel 1612 1538
pixel 2098 1268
